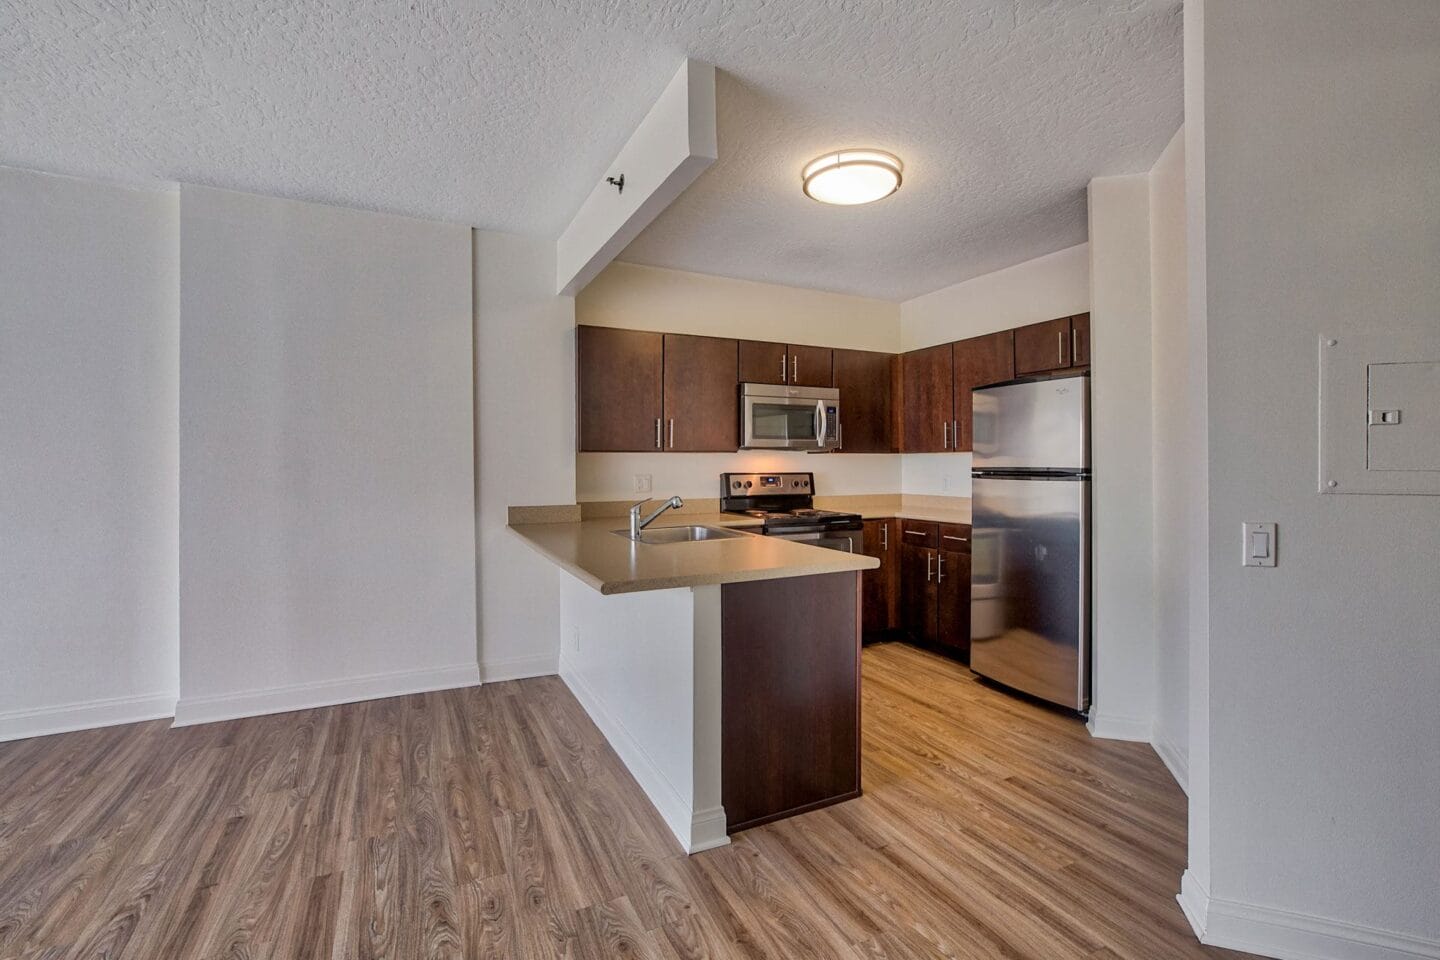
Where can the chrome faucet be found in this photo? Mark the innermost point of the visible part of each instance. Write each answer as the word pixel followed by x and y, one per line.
pixel 636 524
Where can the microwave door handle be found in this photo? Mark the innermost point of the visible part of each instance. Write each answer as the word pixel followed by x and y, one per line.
pixel 824 426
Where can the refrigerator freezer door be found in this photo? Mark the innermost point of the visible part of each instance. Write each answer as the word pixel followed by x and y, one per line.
pixel 1029 616
pixel 1039 425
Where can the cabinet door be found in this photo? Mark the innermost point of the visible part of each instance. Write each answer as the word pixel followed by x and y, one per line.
pixel 979 361
pixel 953 587
pixel 810 366
pixel 929 399
pixel 702 398
pixel 762 362
pixel 918 593
pixel 619 379
pixel 876 583
pixel 1042 347
pixel 1080 340
pixel 866 381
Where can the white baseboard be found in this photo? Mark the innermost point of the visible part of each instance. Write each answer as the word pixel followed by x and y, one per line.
pixel 1110 727
pixel 519 668
pixel 1173 759
pixel 1292 936
pixel 324 693
pixel 85 715
pixel 695 829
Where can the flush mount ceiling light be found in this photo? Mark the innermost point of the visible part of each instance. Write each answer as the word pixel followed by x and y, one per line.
pixel 848 177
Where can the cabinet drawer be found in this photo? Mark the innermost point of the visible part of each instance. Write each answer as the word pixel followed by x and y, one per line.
pixel 919 534
pixel 955 537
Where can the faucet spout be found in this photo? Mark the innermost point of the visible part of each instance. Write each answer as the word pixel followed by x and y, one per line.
pixel 637 524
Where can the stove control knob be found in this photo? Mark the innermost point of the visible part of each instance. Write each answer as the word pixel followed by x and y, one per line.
pixel 747 484
pixel 735 484
pixel 807 483
pixel 794 483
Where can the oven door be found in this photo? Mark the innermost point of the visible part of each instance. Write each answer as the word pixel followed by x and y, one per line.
pixel 788 423
pixel 832 539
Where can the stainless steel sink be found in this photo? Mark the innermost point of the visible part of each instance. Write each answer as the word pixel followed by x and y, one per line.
pixel 684 534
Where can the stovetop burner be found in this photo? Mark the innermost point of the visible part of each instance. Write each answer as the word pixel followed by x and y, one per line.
pixel 779 500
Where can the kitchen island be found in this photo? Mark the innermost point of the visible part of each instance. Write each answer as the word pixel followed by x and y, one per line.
pixel 724 672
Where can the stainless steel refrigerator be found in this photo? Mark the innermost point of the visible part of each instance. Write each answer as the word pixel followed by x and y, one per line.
pixel 1030 544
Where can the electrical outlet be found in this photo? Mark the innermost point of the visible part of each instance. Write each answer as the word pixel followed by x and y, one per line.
pixel 945 484
pixel 642 483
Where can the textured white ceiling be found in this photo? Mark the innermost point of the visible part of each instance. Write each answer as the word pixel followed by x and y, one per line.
pixel 504 114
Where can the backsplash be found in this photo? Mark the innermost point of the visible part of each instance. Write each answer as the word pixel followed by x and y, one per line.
pixel 611 476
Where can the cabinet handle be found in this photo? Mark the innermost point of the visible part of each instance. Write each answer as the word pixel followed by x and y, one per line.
pixel 916 533
pixel 1074 343
pixel 961 539
pixel 929 557
pixel 794 368
pixel 885 537
pixel 840 436
pixel 657 433
pixel 672 433
pixel 1060 346
pixel 955 433
pixel 783 377
pixel 945 434
pixel 940 569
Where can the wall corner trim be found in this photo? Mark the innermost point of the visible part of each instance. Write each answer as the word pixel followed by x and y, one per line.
pixel 1104 726
pixel 519 668
pixel 1272 932
pixel 324 693
pixel 84 715
pixel 1174 760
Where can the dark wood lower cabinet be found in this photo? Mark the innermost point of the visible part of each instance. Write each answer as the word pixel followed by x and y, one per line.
pixel 934 594
pixel 790 696
pixel 880 595
pixel 918 593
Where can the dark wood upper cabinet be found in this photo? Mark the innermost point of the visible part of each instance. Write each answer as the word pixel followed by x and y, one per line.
pixel 928 403
pixel 1080 340
pixel 978 361
pixel 801 366
pixel 866 381
pixel 702 402
pixel 619 389
pixel 1042 347
pixel 762 362
pixel 810 366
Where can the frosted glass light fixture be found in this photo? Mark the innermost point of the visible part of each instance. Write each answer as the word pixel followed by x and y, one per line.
pixel 848 177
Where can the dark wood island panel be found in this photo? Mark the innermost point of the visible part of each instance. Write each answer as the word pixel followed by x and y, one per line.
pixel 790 696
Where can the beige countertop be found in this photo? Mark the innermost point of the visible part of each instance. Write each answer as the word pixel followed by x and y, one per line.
pixel 590 551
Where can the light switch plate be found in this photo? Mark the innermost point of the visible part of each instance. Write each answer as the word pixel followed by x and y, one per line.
pixel 1258 546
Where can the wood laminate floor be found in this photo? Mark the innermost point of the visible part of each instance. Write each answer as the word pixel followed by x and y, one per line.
pixel 496 822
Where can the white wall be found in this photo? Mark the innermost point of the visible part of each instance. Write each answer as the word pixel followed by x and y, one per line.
pixel 1055 285
pixel 638 297
pixel 525 404
pixel 89 333
pixel 1123 621
pixel 1322 209
pixel 646 666
pixel 1175 452
pixel 326 499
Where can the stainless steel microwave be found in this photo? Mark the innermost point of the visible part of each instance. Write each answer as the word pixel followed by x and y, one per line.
pixel 777 417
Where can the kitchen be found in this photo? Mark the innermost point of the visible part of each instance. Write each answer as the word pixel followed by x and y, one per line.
pixel 462 458
pixel 801 415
